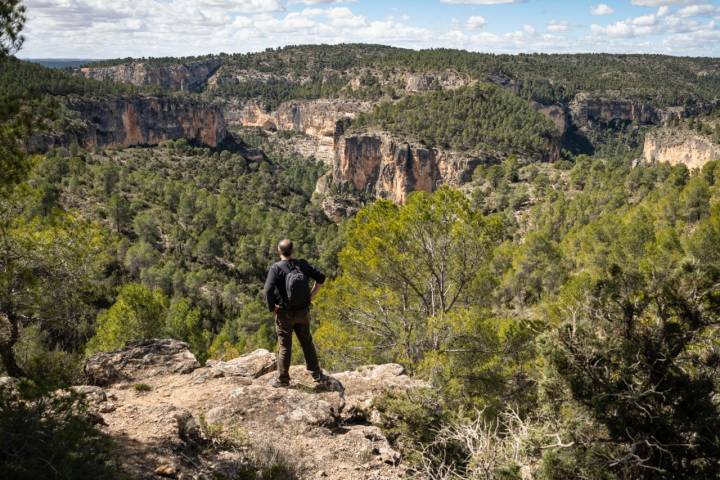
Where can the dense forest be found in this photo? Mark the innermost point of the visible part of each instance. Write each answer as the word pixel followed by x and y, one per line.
pixel 597 249
pixel 657 79
pixel 479 116
pixel 563 314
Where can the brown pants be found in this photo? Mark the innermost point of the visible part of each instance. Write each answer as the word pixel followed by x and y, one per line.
pixel 285 324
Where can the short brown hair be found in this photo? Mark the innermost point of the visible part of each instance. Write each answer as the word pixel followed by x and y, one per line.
pixel 285 247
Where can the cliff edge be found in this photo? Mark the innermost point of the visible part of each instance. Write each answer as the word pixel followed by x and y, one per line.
pixel 173 418
pixel 677 146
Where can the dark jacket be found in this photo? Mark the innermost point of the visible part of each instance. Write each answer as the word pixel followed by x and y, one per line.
pixel 275 293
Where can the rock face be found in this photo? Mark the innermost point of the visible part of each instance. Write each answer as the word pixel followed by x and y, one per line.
pixel 185 77
pixel 317 118
pixel 556 114
pixel 252 365
pixel 587 111
pixel 382 166
pixel 321 121
pixel 676 147
pixel 324 433
pixel 130 121
pixel 140 360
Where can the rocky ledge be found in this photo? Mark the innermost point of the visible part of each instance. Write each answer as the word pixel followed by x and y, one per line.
pixel 383 166
pixel 134 120
pixel 185 77
pixel 677 146
pixel 160 404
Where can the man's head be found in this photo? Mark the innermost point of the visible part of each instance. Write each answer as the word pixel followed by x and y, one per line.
pixel 285 248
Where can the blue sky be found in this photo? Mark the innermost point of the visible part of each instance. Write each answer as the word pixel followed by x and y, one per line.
pixel 120 28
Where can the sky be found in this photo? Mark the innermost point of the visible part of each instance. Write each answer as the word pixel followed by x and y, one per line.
pixel 142 28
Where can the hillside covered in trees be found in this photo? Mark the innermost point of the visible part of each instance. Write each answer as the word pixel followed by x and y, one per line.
pixel 562 314
pixel 662 80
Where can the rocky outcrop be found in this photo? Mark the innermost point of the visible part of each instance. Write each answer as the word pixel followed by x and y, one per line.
pixel 557 114
pixel 321 121
pixel 385 167
pixel 140 360
pixel 252 365
pixel 448 80
pixel 185 77
pixel 131 121
pixel 587 111
pixel 679 147
pixel 317 118
pixel 212 421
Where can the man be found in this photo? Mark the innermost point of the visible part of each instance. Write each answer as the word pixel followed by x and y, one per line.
pixel 288 295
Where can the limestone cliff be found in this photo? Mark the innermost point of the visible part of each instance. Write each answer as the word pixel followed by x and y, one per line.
pixel 382 166
pixel 679 146
pixel 186 77
pixel 587 111
pixel 313 117
pixel 188 421
pixel 129 121
pixel 321 120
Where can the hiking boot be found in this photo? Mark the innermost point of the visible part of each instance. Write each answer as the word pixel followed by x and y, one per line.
pixel 278 383
pixel 320 378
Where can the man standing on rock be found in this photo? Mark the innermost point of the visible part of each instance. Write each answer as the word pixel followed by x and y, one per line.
pixel 288 295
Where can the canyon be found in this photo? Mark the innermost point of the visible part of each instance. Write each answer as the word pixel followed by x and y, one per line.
pixel 361 165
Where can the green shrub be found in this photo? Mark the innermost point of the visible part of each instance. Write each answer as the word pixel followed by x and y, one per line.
pixel 142 387
pixel 51 437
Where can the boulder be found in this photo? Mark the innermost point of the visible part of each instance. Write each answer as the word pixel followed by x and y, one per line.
pixel 10 383
pixel 252 365
pixel 367 382
pixel 140 360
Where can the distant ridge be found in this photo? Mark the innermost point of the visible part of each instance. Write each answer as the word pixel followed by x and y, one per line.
pixel 61 62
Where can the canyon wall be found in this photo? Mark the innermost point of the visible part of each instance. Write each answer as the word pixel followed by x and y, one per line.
pixel 185 77
pixel 677 146
pixel 322 120
pixel 587 111
pixel 385 167
pixel 130 121
pixel 313 117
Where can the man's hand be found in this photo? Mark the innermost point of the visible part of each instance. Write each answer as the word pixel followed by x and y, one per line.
pixel 277 309
pixel 314 291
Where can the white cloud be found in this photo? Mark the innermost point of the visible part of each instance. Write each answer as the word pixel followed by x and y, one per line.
pixel 105 29
pixel 320 2
pixel 697 10
pixel 558 26
pixel 658 3
pixel 644 20
pixel 663 22
pixel 601 9
pixel 343 17
pixel 476 21
pixel 244 6
pixel 242 22
pixel 480 2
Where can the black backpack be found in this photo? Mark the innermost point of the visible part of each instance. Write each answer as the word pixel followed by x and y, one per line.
pixel 297 287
